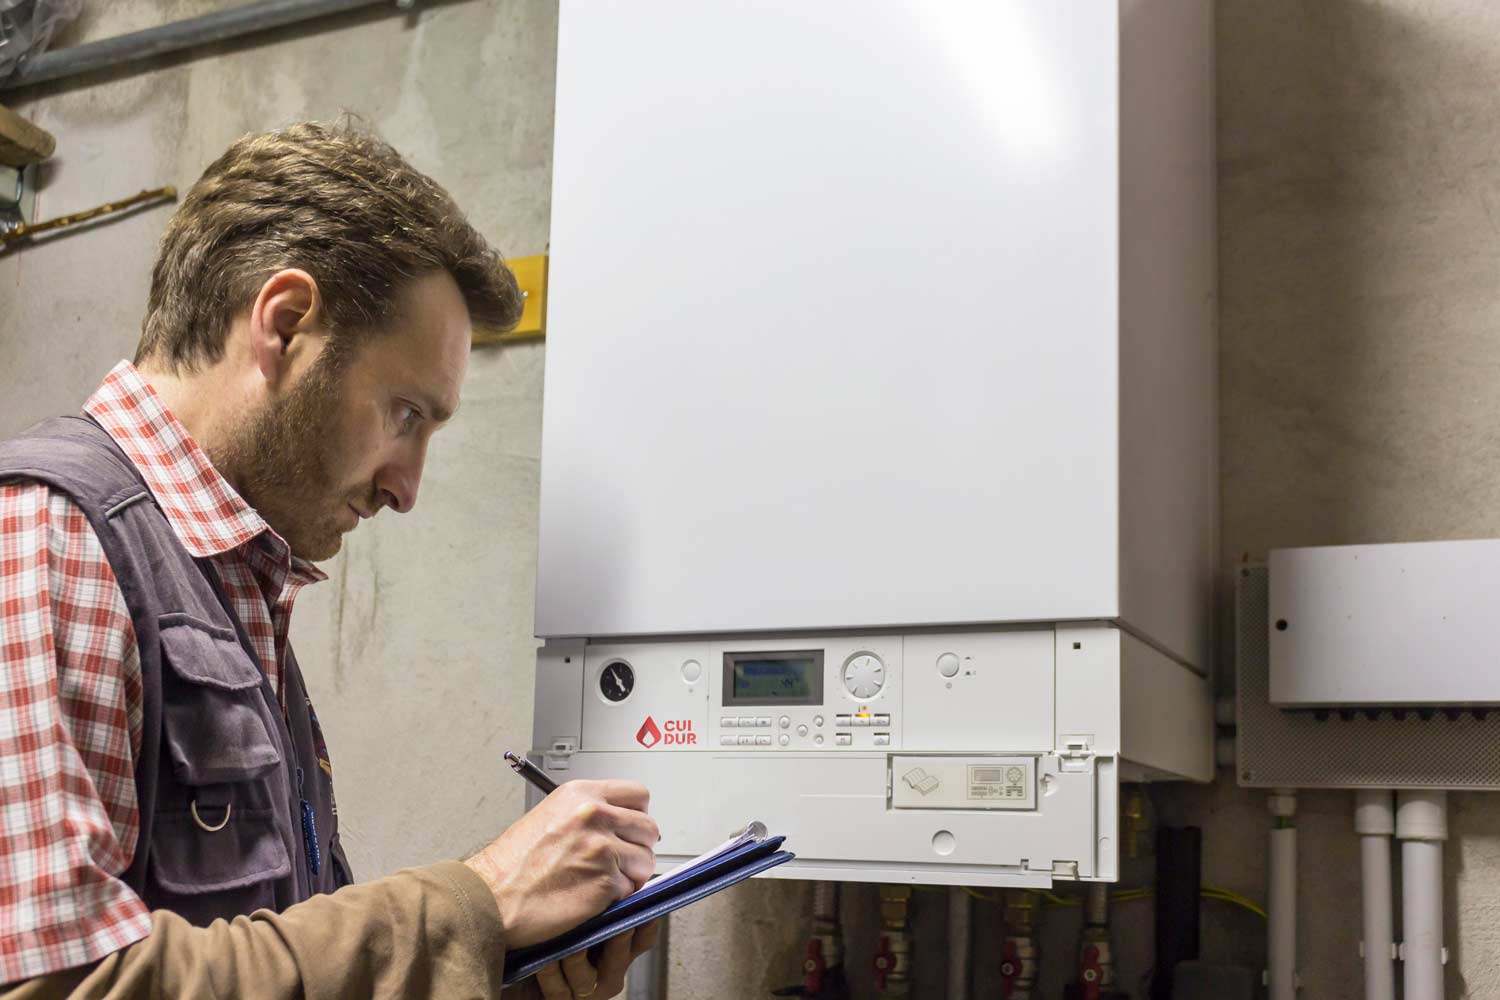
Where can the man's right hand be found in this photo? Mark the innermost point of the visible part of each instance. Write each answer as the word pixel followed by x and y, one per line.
pixel 585 846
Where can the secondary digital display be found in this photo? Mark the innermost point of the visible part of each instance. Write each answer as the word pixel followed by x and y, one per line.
pixel 774 678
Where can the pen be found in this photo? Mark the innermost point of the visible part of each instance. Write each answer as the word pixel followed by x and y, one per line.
pixel 526 769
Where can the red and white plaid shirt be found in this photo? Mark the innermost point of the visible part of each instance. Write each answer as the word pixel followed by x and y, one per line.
pixel 70 681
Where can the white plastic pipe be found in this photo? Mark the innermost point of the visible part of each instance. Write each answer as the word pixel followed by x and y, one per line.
pixel 1422 826
pixel 1375 822
pixel 1281 930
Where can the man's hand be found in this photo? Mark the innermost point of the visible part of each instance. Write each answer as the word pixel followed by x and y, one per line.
pixel 586 845
pixel 576 977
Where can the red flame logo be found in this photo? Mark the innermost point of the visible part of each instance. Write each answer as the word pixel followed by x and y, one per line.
pixel 648 735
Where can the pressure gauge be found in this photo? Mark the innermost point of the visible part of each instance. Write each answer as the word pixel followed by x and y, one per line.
pixel 616 681
pixel 864 675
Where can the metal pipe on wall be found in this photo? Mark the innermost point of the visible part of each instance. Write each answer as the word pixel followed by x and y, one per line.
pixel 178 35
pixel 647 978
pixel 960 921
pixel 1375 822
pixel 1019 961
pixel 1422 826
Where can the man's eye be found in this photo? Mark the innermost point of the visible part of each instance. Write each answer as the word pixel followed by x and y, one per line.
pixel 408 417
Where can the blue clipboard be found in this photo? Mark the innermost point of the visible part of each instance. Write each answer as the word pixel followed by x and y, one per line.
pixel 651 902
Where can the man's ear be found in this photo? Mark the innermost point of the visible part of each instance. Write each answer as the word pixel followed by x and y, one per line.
pixel 287 324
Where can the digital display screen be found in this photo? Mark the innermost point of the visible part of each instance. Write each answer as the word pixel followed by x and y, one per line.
pixel 774 678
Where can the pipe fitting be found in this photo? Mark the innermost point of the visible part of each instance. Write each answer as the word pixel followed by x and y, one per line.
pixel 1374 813
pixel 1224 713
pixel 1283 803
pixel 1422 816
pixel 1226 752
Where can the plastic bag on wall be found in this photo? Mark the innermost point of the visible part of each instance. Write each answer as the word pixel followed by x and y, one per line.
pixel 26 27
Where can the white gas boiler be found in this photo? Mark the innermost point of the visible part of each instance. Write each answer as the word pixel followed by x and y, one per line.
pixel 878 476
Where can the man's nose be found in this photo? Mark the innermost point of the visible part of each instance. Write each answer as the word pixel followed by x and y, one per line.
pixel 399 479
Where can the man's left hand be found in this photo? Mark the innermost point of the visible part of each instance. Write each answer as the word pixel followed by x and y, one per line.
pixel 576 978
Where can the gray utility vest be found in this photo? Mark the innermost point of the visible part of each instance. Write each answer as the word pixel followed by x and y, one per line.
pixel 236 814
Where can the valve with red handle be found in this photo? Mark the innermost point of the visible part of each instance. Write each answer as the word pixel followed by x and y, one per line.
pixel 819 981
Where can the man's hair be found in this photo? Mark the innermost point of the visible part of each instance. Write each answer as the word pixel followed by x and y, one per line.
pixel 333 200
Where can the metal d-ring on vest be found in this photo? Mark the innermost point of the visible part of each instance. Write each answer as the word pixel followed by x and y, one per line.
pixel 193 808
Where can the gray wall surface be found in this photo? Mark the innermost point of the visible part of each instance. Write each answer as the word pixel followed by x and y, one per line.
pixel 1359 192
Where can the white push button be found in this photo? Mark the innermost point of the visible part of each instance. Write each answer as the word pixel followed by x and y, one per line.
pixel 747 722
pixel 802 731
pixel 691 671
pixel 882 739
pixel 727 741
pixel 843 739
pixel 763 722
pixel 747 741
pixel 882 720
pixel 728 722
pixel 947 665
pixel 818 739
pixel 842 720
pixel 818 721
pixel 763 741
pixel 860 720
pixel 786 722
pixel 784 739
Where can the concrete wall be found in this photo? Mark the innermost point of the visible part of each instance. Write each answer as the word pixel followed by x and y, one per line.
pixel 1359 188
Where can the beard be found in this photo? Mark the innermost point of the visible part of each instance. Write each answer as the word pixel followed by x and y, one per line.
pixel 286 461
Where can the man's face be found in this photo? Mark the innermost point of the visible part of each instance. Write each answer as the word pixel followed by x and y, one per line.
pixel 351 435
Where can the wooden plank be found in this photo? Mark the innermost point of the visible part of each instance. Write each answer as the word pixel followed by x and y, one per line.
pixel 22 142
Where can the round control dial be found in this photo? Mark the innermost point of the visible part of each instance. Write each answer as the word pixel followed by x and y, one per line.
pixel 864 675
pixel 616 681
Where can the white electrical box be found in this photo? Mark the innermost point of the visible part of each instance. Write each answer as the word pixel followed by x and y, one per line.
pixel 1385 625
pixel 879 433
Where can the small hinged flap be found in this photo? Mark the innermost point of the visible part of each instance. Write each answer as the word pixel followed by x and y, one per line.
pixel 559 753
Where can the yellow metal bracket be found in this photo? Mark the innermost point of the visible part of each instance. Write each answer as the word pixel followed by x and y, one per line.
pixel 531 276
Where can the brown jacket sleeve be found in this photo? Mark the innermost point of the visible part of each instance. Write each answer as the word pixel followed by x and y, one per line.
pixel 424 932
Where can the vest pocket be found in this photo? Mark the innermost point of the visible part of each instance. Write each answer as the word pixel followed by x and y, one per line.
pixel 189 861
pixel 213 712
pixel 218 847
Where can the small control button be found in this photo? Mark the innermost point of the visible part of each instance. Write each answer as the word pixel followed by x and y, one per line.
pixel 784 739
pixel 842 720
pixel 747 741
pixel 860 720
pixel 786 722
pixel 691 671
pixel 728 722
pixel 747 722
pixel 727 741
pixel 763 740
pixel 882 720
pixel 843 739
pixel 947 665
pixel 763 722
pixel 818 722
pixel 818 739
pixel 802 731
pixel 882 739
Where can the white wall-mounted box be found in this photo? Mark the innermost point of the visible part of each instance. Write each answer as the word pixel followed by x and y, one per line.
pixel 878 334
pixel 1385 625
pixel 880 315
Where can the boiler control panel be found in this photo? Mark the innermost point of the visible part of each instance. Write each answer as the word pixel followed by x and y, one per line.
pixel 971 757
pixel 754 695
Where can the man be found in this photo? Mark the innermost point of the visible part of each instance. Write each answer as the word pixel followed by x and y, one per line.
pixel 167 824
